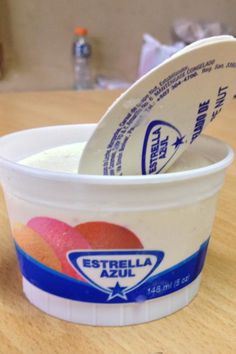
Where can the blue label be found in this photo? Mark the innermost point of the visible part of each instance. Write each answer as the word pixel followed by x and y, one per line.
pixel 116 273
pixel 114 276
pixel 82 50
pixel 161 142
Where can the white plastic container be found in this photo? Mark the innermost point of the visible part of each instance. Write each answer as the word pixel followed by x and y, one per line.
pixel 167 217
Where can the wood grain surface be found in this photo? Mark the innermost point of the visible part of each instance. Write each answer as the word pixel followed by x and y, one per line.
pixel 207 325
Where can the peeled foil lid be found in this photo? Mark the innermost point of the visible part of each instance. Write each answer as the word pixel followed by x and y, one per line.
pixel 152 123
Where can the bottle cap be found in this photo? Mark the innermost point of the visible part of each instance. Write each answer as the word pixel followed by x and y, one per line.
pixel 81 31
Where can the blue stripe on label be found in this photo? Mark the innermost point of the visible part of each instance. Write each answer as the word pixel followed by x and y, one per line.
pixel 164 283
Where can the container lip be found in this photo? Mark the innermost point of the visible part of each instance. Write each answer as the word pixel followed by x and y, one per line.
pixel 120 180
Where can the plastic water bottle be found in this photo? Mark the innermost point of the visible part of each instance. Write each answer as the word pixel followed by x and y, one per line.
pixel 82 53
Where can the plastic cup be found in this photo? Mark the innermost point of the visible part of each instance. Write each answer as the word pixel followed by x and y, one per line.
pixel 139 253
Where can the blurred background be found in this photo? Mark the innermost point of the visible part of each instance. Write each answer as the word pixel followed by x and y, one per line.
pixel 36 37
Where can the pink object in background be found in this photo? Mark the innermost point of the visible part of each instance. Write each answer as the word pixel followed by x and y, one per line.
pixel 154 53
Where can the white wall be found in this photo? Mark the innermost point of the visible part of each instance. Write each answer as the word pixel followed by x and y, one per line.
pixel 37 35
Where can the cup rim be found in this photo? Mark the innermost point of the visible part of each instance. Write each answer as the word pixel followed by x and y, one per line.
pixel 119 180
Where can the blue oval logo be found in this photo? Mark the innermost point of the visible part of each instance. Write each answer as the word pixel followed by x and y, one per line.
pixel 161 142
pixel 116 273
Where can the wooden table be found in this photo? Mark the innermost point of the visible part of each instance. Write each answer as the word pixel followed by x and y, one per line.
pixel 207 325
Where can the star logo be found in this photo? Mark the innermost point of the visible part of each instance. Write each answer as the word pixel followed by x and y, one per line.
pixel 117 291
pixel 102 271
pixel 179 141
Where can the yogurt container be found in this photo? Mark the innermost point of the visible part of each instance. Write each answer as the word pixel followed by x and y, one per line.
pixel 109 250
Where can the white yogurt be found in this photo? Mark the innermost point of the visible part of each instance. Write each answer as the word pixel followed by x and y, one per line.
pixel 66 159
